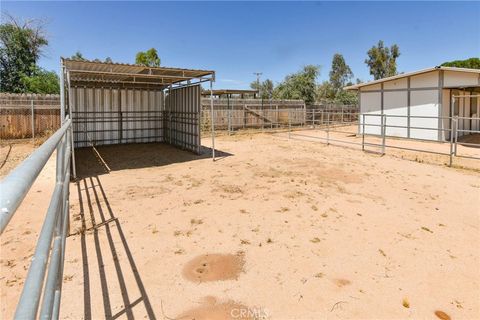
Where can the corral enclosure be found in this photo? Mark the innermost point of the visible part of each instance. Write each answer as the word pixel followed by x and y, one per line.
pixel 314 232
pixel 235 113
pixel 114 103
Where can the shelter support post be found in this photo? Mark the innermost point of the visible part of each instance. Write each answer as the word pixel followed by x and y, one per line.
pixel 212 116
pixel 69 92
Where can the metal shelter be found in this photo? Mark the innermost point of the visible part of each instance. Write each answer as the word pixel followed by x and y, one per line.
pixel 116 103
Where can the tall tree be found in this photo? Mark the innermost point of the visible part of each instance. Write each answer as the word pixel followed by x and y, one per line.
pixel 340 73
pixel 472 63
pixel 21 45
pixel 382 60
pixel 148 58
pixel 265 88
pixel 300 85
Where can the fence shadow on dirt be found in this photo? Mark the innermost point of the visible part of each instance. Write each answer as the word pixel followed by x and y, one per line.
pixel 101 160
pixel 100 231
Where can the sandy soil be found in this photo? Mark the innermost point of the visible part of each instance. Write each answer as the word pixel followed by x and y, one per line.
pixel 11 154
pixel 276 228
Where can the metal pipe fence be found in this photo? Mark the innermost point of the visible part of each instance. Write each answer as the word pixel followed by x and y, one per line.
pixel 49 254
pixel 354 125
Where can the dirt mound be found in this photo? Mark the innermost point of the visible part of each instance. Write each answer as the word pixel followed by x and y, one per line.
pixel 214 267
pixel 211 309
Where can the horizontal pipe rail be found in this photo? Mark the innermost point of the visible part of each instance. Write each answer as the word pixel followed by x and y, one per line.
pixel 50 248
pixel 16 185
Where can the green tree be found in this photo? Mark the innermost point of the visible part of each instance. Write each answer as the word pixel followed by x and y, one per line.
pixel 42 81
pixel 265 88
pixel 472 63
pixel 21 46
pixel 325 92
pixel 300 85
pixel 148 58
pixel 340 73
pixel 382 60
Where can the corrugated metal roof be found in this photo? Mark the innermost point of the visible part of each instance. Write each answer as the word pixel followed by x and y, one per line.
pixel 408 74
pixel 86 71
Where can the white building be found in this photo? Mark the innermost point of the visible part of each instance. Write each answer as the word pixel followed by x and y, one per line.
pixel 419 104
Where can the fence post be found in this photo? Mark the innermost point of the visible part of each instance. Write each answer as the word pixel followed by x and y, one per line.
pixel 452 130
pixel 328 128
pixel 289 124
pixel 456 135
pixel 363 132
pixel 229 114
pixel 313 117
pixel 383 127
pixel 33 122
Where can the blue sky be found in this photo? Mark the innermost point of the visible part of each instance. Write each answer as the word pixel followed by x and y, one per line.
pixel 238 38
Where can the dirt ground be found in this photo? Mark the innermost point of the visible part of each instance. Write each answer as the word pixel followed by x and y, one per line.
pixel 275 228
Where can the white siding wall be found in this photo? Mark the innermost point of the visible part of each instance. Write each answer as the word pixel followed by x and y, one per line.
pixel 460 79
pixel 425 80
pixel 424 103
pixel 395 104
pixel 370 103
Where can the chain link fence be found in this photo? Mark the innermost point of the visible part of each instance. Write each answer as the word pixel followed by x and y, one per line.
pixel 28 115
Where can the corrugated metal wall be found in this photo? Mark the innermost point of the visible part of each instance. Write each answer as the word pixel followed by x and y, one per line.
pixel 104 116
pixel 112 116
pixel 182 118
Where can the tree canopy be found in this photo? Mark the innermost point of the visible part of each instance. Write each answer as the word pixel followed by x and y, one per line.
pixel 340 76
pixel 472 63
pixel 340 73
pixel 21 46
pixel 42 81
pixel 265 88
pixel 148 58
pixel 382 60
pixel 300 85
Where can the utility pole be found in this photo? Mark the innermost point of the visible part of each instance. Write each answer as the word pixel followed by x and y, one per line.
pixel 258 74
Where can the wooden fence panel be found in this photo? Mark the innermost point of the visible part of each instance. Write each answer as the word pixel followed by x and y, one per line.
pixel 16 115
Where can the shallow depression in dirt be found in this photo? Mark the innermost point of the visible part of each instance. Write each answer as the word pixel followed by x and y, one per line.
pixel 214 267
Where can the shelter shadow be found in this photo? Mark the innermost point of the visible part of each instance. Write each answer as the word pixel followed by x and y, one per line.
pixel 103 159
